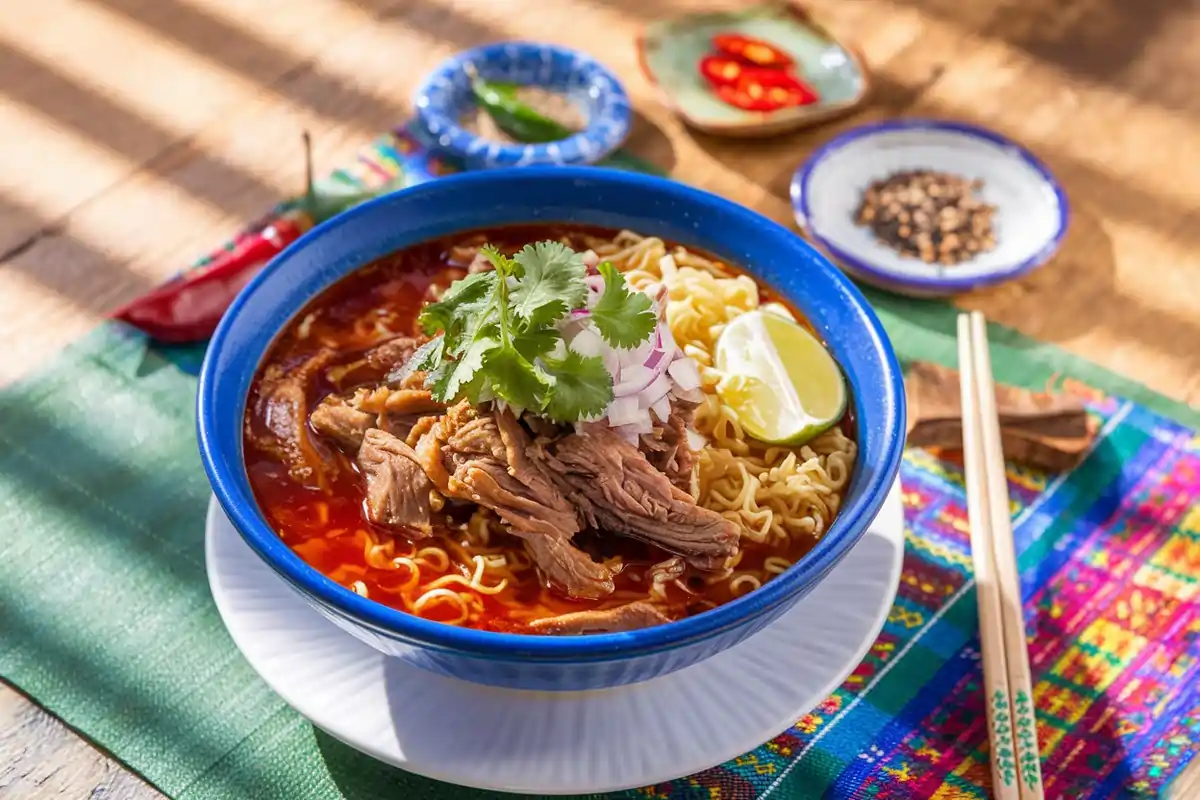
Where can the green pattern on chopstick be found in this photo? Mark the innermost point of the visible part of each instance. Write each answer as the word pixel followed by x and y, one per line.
pixel 1002 736
pixel 1027 749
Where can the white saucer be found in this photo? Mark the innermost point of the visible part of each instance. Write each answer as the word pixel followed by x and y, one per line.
pixel 1031 207
pixel 548 742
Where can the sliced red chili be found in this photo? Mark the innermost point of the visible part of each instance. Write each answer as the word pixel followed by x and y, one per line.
pixel 752 51
pixel 188 309
pixel 721 70
pixel 766 90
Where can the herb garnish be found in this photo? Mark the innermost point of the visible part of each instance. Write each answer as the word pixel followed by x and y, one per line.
pixel 497 334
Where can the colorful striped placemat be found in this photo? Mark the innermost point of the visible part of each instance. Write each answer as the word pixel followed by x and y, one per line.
pixel 105 617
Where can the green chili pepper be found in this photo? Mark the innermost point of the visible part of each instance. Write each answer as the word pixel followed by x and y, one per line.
pixel 528 126
pixel 326 199
pixel 515 118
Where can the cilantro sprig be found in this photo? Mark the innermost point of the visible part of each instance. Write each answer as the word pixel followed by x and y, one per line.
pixel 496 333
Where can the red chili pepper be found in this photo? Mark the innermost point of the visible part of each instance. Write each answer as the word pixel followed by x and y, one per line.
pixel 721 70
pixel 188 309
pixel 766 90
pixel 752 51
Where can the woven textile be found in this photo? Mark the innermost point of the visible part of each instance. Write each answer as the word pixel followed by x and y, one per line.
pixel 105 616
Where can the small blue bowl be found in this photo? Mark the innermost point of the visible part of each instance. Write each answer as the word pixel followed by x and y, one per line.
pixel 1031 207
pixel 585 196
pixel 446 95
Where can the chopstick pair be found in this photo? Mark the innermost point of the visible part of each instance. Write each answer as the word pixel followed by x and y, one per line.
pixel 1012 728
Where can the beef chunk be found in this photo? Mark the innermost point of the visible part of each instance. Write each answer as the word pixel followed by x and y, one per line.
pixel 617 490
pixel 398 491
pixel 342 422
pixel 622 618
pixel 396 411
pixel 476 459
pixel 394 352
pixel 480 455
pixel 282 403
pixel 403 402
pixel 667 447
pixel 566 566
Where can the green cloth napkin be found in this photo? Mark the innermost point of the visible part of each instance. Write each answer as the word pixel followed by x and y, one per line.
pixel 105 613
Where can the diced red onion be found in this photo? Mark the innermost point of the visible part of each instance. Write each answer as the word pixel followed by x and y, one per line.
pixel 639 354
pixel 587 342
pixel 689 395
pixel 595 282
pixel 642 425
pixel 612 363
pixel 656 391
pixel 627 434
pixel 634 378
pixel 683 371
pixel 695 441
pixel 590 259
pixel 666 341
pixel 624 411
pixel 662 408
pixel 655 357
pixel 580 312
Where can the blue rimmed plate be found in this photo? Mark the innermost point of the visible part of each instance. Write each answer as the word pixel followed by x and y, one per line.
pixel 446 96
pixel 1031 207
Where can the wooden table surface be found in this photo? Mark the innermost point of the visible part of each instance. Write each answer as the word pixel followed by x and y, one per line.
pixel 135 134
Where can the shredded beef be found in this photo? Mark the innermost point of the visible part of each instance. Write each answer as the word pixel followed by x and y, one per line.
pixel 282 404
pixel 480 455
pixel 609 620
pixel 617 490
pixel 667 447
pixel 398 491
pixel 336 418
pixel 394 352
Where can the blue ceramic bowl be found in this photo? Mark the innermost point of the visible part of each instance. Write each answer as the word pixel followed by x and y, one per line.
pixel 446 95
pixel 586 196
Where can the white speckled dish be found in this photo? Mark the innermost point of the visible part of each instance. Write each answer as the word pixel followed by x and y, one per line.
pixel 1031 207
pixel 521 741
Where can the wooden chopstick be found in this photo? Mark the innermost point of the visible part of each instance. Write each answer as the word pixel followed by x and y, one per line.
pixel 1016 770
pixel 1004 551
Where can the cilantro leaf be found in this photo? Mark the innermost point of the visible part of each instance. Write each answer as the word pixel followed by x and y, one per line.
pixel 426 357
pixel 501 262
pixel 451 376
pixel 515 380
pixel 582 387
pixel 479 318
pixel 551 282
pixel 445 314
pixel 624 318
pixel 500 339
pixel 536 342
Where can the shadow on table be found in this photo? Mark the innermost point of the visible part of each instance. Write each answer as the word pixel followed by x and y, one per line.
pixel 1113 42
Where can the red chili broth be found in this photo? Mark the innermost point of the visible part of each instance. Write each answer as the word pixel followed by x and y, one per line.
pixel 320 525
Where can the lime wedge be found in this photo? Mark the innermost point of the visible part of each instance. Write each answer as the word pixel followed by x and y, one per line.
pixel 778 309
pixel 779 378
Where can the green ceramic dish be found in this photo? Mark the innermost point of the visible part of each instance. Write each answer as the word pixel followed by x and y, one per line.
pixel 670 51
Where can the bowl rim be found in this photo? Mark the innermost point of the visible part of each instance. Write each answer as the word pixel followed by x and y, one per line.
pixel 457 140
pixel 226 471
pixel 801 206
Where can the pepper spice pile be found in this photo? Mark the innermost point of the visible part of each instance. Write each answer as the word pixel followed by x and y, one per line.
pixel 933 216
